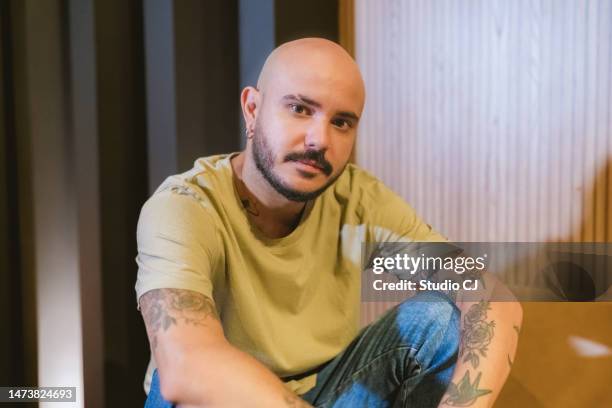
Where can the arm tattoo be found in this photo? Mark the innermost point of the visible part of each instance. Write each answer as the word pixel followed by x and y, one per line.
pixel 163 308
pixel 465 392
pixel 517 329
pixel 476 334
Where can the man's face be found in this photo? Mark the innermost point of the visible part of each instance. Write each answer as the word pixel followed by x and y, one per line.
pixel 305 132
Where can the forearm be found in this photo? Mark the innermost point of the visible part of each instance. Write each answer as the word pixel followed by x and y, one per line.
pixel 237 379
pixel 196 364
pixel 489 337
pixel 485 356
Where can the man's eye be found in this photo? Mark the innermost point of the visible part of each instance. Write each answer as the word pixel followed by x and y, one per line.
pixel 299 109
pixel 342 124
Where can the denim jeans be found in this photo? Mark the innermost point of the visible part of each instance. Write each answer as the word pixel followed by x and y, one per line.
pixel 404 359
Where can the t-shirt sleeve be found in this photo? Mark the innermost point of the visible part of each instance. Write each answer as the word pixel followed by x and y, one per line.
pixel 392 219
pixel 395 228
pixel 177 245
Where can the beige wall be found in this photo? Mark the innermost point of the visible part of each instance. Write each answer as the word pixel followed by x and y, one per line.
pixel 492 118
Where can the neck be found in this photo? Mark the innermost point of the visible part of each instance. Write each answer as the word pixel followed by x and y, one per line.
pixel 272 213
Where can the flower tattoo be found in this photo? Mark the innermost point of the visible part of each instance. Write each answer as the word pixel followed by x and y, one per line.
pixel 477 333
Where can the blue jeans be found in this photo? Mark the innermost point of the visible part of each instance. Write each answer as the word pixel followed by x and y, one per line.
pixel 404 359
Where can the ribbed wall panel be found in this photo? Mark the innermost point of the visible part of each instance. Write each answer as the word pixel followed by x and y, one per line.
pixel 491 117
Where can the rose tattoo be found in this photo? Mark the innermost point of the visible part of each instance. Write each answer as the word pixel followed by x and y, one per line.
pixel 477 333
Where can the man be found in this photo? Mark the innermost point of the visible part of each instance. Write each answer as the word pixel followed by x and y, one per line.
pixel 249 267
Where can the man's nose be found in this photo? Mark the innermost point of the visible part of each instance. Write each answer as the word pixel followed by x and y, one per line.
pixel 318 136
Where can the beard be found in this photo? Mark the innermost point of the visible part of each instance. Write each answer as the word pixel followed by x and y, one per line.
pixel 264 161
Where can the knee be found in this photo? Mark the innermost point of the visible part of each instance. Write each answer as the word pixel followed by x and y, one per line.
pixel 429 316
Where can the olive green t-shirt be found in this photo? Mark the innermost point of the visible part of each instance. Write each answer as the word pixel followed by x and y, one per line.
pixel 293 302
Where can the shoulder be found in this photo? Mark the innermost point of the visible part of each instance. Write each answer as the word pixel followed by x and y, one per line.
pixel 184 201
pixel 208 176
pixel 377 206
pixel 358 184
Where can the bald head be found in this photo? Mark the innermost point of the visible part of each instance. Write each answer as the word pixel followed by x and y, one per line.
pixel 301 120
pixel 311 58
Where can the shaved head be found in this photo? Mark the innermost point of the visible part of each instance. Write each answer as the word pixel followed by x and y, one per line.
pixel 306 55
pixel 302 118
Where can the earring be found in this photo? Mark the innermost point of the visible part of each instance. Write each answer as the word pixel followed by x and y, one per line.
pixel 249 133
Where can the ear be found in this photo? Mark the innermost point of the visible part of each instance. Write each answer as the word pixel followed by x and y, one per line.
pixel 249 101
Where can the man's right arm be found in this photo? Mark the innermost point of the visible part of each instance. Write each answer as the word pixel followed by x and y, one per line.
pixel 196 364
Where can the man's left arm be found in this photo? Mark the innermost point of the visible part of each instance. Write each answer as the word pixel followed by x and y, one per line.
pixel 490 325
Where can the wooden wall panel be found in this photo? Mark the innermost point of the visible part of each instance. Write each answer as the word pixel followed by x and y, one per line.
pixel 492 118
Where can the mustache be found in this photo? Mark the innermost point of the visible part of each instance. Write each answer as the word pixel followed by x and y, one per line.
pixel 317 156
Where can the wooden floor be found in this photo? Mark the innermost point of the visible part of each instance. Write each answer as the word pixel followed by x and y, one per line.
pixel 548 371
